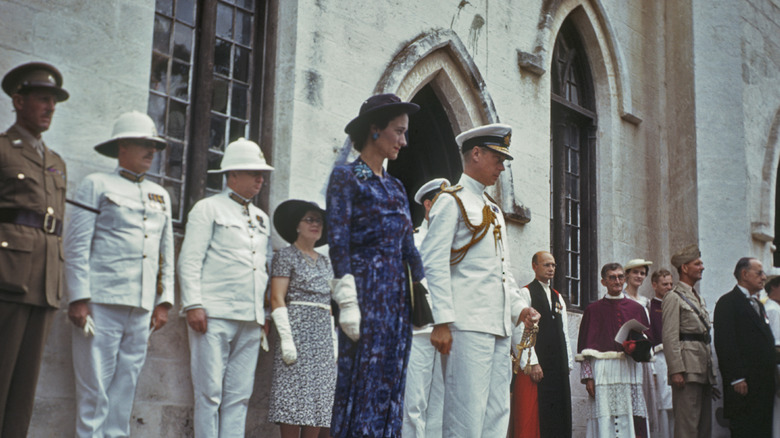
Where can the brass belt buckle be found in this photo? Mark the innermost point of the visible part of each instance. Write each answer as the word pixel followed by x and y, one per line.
pixel 49 223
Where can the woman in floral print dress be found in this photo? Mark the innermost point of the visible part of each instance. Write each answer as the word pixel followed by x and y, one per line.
pixel 304 375
pixel 370 237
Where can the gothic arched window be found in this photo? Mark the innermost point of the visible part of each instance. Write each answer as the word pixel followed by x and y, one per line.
pixel 573 169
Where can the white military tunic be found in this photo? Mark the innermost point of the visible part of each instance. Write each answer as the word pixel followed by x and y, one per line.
pixel 480 300
pixel 112 259
pixel 222 269
pixel 424 393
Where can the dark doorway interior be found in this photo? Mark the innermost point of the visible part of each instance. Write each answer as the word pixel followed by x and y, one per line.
pixel 431 151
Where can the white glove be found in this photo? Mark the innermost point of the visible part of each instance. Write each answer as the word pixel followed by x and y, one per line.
pixel 282 320
pixel 263 340
pixel 89 327
pixel 345 294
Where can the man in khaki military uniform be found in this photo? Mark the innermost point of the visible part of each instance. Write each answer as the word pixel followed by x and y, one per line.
pixel 32 203
pixel 686 338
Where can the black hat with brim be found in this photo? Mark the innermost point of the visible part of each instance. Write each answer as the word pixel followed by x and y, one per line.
pixel 376 105
pixel 289 213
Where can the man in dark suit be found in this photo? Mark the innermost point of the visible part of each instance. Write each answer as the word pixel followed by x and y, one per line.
pixel 32 203
pixel 745 348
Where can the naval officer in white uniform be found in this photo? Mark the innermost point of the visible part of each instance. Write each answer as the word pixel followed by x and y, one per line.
pixel 423 397
pixel 476 301
pixel 119 238
pixel 222 275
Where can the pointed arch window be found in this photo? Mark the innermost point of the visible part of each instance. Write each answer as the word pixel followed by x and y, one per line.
pixel 573 170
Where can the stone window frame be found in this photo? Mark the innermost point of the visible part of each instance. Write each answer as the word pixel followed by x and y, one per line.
pixel 573 222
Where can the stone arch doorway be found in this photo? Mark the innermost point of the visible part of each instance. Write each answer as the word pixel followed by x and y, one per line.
pixel 431 151
pixel 436 71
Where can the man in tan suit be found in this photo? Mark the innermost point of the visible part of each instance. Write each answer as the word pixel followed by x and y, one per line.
pixel 686 339
pixel 32 203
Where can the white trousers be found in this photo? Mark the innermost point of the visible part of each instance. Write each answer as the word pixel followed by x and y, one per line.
pixel 223 363
pixel 476 386
pixel 106 367
pixel 424 397
pixel 664 398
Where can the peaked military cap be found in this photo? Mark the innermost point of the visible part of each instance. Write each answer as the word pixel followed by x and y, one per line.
pixel 34 75
pixel 496 137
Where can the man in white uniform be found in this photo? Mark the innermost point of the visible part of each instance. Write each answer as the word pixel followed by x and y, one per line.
pixel 118 239
pixel 222 273
pixel 772 306
pixel 662 282
pixel 475 299
pixel 423 399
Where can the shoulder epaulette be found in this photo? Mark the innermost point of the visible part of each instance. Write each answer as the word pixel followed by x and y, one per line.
pixel 490 198
pixel 451 190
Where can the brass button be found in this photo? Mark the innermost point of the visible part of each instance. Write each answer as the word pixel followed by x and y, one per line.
pixel 50 210
pixel 144 217
pixel 4 244
pixel 144 255
pixel 253 252
pixel 146 236
pixel 254 269
pixel 20 176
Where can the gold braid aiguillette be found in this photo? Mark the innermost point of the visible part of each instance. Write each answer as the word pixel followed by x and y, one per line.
pixel 527 341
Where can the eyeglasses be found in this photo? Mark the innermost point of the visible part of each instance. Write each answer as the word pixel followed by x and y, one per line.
pixel 620 277
pixel 312 220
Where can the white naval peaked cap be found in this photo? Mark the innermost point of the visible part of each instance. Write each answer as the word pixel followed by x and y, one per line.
pixel 496 136
pixel 132 125
pixel 432 185
pixel 242 154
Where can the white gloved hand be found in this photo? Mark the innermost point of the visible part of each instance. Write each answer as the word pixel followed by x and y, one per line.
pixel 89 327
pixel 263 340
pixel 282 321
pixel 345 294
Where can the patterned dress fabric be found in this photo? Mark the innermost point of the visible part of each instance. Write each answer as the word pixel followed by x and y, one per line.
pixel 302 393
pixel 371 237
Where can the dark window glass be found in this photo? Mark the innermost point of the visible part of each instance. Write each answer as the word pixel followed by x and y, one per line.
pixel 573 121
pixel 225 35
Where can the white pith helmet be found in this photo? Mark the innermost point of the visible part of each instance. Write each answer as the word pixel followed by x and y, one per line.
pixel 242 154
pixel 131 125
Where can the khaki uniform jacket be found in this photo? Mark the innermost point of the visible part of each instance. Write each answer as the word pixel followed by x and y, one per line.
pixel 692 358
pixel 30 259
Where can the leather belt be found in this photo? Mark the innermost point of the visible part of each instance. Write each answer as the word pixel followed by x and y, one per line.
pixel 20 216
pixel 696 337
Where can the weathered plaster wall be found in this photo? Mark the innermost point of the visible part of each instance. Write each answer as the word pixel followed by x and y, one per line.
pixel 686 100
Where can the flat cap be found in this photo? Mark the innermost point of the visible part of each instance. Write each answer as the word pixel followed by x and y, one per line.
pixel 686 255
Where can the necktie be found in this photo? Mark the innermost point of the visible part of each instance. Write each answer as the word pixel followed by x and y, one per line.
pixel 756 306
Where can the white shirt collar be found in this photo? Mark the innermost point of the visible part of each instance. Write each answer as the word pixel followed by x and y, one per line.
pixel 472 185
pixel 745 291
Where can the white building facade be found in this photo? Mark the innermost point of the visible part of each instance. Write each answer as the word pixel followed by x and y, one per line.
pixel 639 127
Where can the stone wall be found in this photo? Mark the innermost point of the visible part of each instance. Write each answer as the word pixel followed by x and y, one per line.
pixel 687 108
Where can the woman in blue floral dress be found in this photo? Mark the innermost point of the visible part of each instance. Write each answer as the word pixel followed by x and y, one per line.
pixel 370 237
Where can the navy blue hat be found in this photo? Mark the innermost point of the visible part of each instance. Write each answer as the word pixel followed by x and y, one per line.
pixel 377 104
pixel 289 213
